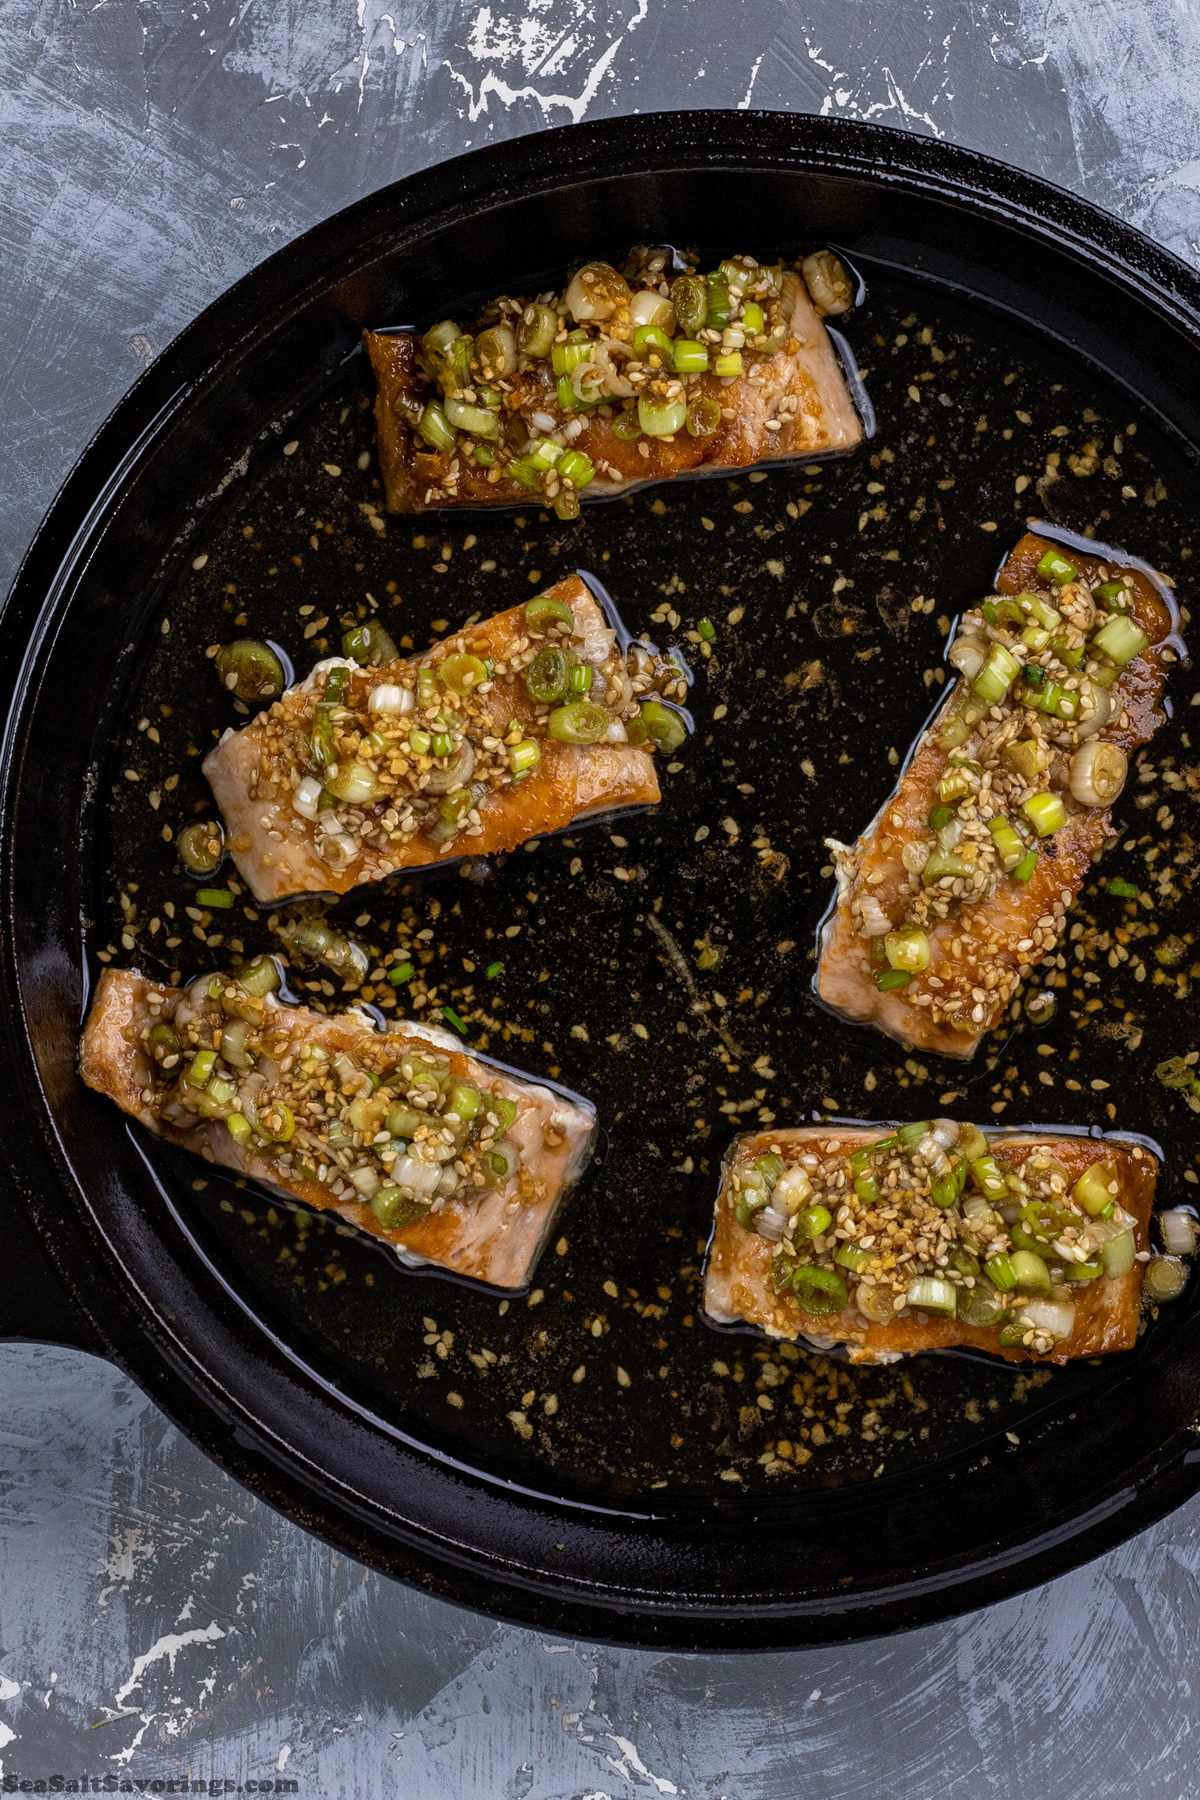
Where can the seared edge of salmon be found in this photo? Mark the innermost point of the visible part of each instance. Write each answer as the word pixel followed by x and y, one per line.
pixel 979 951
pixel 737 1289
pixel 494 1239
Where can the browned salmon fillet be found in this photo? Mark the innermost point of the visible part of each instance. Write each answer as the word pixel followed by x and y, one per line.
pixel 448 1158
pixel 962 882
pixel 621 380
pixel 517 726
pixel 931 1236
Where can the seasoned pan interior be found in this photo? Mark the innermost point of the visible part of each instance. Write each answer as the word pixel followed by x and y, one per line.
pixel 662 965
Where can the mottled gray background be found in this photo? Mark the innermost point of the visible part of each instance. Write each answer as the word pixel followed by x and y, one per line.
pixel 151 153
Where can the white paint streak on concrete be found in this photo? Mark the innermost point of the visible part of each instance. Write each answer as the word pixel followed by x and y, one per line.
pixel 168 1646
pixel 631 1756
pixel 744 102
pixel 9 1689
pixel 126 1755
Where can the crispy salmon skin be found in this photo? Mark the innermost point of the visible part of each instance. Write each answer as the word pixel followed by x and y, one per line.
pixel 626 377
pixel 517 726
pixel 932 1236
pixel 962 883
pixel 451 1160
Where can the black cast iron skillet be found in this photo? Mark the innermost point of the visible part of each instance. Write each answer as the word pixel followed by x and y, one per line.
pixel 313 1395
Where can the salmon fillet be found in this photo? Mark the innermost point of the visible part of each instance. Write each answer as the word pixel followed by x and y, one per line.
pixel 922 1254
pixel 289 1100
pixel 326 789
pixel 933 958
pixel 789 398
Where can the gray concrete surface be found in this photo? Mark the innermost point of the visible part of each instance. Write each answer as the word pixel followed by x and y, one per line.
pixel 155 1620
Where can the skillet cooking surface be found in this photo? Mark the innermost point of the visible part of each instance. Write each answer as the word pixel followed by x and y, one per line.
pixel 661 964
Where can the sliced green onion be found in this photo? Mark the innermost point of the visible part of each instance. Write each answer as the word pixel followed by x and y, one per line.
pixel 369 644
pixel 930 1293
pixel 544 611
pixel 545 454
pixel 475 419
pixel 259 977
pixel 1115 596
pixel 954 785
pixel 1120 640
pixel 1039 609
pixel 436 428
pixel 1126 890
pixel 718 310
pixel 462 674
pixel 353 782
pixel 940 863
pixel 728 365
pixel 913 1134
pixel 819 1291
pixel 576 468
pixel 526 471
pixel 690 358
pixel 200 847
pixel 522 756
pixel 400 972
pixel 536 330
pixel 940 817
pixel 548 676
pixel 420 742
pixel 1056 567
pixel 1097 1188
pixel 239 1128
pixel 867 1188
pixel 494 969
pixel 703 416
pixel 627 425
pixel 1026 866
pixel 452 1018
pixel 648 338
pixel 689 296
pixel 199 1071
pixel 707 630
pixel 496 352
pixel 1086 1271
pixel 214 897
pixel 661 418
pixel 814 1220
pixel 504 1111
pixel 1023 759
pixel 580 722
pixel 250 670
pixel 847 1257
pixel 1030 1272
pixel 662 724
pixel 1053 698
pixel 485 456
pixel 1001 1273
pixel 981 1306
pixel 1045 812
pixel 437 340
pixel 752 318
pixel 907 949
pixel 443 743
pixel 395 1209
pixel 577 349
pixel 427 688
pixel 945 1189
pixel 1009 846
pixel 887 979
pixel 1119 1254
pixel 580 678
pixel 464 1099
pixel 989 1177
pixel 571 401
pixel 997 675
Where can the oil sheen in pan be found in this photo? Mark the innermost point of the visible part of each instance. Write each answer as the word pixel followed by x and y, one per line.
pixel 661 964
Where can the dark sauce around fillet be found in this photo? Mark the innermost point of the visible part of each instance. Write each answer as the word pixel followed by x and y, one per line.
pixel 661 964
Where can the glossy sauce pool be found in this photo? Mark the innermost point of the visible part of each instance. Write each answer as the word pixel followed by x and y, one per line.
pixel 662 964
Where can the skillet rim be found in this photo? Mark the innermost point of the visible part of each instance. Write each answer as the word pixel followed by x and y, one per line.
pixel 105 1315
